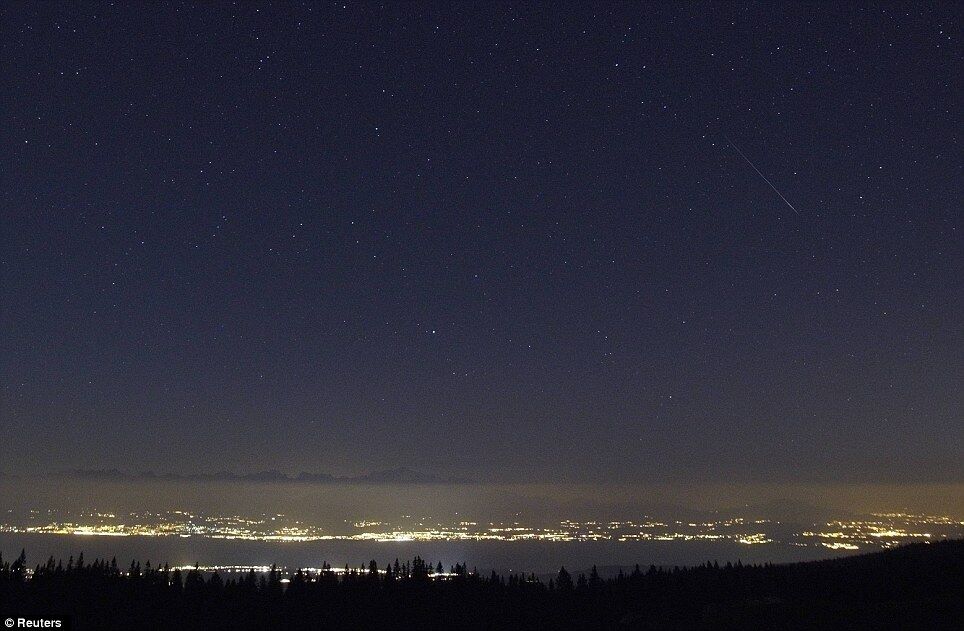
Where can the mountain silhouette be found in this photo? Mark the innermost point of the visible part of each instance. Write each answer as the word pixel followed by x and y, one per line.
pixel 399 475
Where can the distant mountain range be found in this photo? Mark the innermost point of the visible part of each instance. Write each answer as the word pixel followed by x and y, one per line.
pixel 401 475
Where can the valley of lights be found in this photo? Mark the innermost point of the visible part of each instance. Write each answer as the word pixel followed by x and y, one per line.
pixel 873 531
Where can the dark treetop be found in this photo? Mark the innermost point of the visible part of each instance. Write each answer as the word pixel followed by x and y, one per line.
pixel 915 587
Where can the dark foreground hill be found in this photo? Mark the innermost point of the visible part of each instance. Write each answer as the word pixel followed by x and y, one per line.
pixel 919 586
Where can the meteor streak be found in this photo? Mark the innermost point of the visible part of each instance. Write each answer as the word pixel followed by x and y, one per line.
pixel 760 173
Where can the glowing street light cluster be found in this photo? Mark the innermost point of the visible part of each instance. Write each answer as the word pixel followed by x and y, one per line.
pixel 877 530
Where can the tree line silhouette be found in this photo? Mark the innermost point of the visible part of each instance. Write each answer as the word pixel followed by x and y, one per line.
pixel 916 586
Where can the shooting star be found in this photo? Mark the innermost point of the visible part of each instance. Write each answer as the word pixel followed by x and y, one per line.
pixel 743 155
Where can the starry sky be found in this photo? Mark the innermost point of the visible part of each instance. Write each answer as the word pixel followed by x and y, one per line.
pixel 506 241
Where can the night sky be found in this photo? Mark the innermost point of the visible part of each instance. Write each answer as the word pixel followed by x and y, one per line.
pixel 505 241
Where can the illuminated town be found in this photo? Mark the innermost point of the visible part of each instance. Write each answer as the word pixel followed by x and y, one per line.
pixel 875 531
